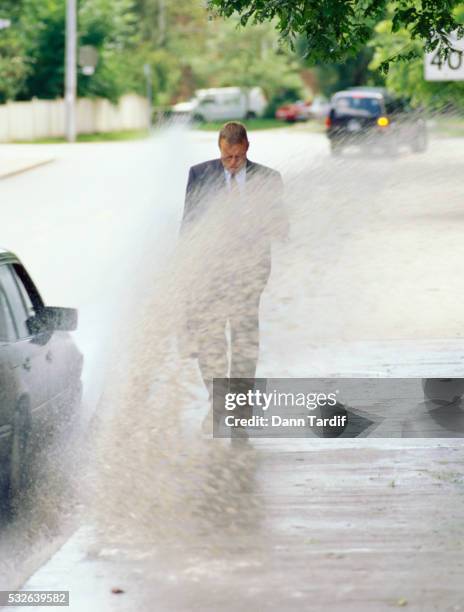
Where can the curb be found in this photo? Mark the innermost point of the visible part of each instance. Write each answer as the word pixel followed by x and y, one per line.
pixel 25 168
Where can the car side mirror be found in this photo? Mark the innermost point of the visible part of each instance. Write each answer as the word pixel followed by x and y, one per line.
pixel 52 318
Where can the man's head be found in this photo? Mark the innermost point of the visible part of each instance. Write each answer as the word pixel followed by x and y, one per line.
pixel 233 144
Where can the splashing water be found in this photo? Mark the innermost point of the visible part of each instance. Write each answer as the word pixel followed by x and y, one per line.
pixel 369 242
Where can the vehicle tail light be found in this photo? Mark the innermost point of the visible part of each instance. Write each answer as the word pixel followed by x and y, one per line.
pixel 328 121
pixel 383 121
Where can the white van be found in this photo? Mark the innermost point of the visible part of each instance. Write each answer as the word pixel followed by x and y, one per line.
pixel 222 103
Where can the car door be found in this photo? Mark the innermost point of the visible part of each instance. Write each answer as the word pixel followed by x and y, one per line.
pixel 234 106
pixel 63 362
pixel 207 108
pixel 26 352
pixel 8 383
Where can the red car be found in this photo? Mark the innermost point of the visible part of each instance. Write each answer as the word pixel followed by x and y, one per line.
pixel 295 111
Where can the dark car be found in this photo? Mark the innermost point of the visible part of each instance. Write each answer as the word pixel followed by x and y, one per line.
pixel 40 372
pixel 373 118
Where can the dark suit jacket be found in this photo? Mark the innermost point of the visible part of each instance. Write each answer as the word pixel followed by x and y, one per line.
pixel 227 242
pixel 259 222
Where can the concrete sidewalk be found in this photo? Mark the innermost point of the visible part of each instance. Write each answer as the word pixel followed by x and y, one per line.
pixel 364 524
pixel 343 525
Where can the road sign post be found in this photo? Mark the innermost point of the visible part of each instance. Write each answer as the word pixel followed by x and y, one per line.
pixel 71 69
pixel 149 82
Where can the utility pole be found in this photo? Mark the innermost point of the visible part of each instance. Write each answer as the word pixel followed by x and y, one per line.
pixel 71 69
pixel 161 21
pixel 148 76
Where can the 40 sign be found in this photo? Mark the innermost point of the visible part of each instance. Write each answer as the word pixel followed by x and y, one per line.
pixel 450 69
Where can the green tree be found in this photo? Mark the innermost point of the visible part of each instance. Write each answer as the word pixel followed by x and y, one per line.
pixel 13 62
pixel 184 46
pixel 333 29
pixel 354 71
pixel 247 58
pixel 32 49
pixel 188 50
pixel 42 26
pixel 173 34
pixel 111 27
pixel 408 79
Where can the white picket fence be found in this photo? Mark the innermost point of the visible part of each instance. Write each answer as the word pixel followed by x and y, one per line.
pixel 46 118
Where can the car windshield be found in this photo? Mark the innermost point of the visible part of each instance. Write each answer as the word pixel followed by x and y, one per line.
pixel 360 106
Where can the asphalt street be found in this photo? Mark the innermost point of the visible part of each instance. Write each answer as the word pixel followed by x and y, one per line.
pixel 368 284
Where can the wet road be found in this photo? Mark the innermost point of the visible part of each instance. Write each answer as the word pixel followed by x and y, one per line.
pixel 80 225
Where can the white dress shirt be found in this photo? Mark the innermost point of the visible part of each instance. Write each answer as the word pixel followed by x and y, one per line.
pixel 240 177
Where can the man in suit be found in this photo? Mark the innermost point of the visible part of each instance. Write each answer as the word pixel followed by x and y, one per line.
pixel 233 212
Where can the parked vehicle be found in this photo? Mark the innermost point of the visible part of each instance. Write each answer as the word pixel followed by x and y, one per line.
pixel 443 391
pixel 40 372
pixel 373 117
pixel 223 103
pixel 319 108
pixel 294 111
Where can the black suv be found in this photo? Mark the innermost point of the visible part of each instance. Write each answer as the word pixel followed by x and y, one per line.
pixel 373 118
pixel 40 372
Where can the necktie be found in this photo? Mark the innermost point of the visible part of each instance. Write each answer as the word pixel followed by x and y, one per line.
pixel 234 189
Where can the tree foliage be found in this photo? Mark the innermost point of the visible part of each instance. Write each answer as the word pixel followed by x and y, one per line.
pixel 111 27
pixel 354 71
pixel 247 58
pixel 189 50
pixel 334 29
pixel 407 79
pixel 32 48
pixel 187 47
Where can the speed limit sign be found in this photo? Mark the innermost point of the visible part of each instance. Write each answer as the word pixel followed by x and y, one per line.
pixel 450 69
